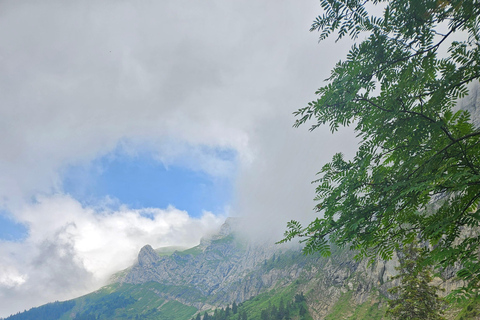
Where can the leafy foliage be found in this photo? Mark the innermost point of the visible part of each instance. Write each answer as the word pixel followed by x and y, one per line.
pixel 416 297
pixel 470 309
pixel 415 148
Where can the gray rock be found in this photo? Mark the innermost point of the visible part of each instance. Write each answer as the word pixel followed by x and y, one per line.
pixel 147 256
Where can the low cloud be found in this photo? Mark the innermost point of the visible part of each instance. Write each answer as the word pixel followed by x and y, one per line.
pixel 276 187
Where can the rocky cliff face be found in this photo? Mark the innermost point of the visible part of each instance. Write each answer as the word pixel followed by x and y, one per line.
pixel 213 272
pixel 224 268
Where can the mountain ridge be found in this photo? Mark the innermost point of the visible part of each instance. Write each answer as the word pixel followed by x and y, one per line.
pixel 225 269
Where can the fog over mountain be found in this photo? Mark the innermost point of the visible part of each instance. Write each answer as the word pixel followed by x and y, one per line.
pixel 184 82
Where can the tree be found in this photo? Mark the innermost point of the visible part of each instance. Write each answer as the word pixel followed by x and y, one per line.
pixel 264 315
pixel 302 311
pixel 414 148
pixel 416 297
pixel 227 311
pixel 281 309
pixel 299 297
pixel 244 315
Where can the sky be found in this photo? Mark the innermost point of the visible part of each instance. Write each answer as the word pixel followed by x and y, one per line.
pixel 125 123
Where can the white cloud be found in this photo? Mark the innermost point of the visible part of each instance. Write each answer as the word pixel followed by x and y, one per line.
pixel 10 277
pixel 105 241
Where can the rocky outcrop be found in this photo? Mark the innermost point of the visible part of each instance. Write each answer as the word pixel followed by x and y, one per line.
pixel 147 256
pixel 223 269
pixel 212 270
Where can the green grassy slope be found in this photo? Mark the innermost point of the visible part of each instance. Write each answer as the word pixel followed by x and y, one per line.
pixel 125 301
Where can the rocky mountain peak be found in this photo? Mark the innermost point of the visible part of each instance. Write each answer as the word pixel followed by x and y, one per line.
pixel 147 256
pixel 227 228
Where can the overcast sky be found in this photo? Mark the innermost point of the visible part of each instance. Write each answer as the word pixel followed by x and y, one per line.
pixel 132 122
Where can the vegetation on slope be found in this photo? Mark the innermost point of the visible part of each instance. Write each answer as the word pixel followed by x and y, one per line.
pixel 126 301
pixel 274 305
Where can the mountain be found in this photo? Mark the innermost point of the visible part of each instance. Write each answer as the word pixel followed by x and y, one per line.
pixel 231 278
